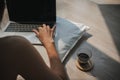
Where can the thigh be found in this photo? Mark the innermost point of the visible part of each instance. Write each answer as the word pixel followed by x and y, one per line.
pixel 7 70
pixel 7 73
pixel 25 59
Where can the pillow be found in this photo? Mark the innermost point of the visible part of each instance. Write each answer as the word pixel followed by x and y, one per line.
pixel 66 35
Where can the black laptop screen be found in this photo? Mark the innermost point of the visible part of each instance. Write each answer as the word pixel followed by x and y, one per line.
pixel 32 10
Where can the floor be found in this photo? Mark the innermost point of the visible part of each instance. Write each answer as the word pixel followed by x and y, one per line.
pixel 103 38
pixel 103 16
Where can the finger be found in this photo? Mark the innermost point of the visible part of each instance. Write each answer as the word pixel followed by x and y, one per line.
pixel 48 28
pixel 44 25
pixel 40 28
pixel 53 29
pixel 35 31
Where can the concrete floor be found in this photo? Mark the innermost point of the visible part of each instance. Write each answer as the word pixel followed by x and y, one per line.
pixel 103 16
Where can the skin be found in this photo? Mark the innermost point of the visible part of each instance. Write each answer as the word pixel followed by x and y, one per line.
pixel 18 56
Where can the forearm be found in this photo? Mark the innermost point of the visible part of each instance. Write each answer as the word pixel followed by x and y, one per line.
pixel 45 34
pixel 55 62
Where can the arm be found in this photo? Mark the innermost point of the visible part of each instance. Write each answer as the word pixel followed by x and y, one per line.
pixel 45 34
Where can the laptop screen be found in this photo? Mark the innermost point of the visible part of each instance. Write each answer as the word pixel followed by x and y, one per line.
pixel 32 10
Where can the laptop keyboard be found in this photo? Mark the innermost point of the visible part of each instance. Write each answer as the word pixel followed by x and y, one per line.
pixel 16 27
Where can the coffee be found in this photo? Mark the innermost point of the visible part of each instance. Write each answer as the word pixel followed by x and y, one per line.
pixel 83 57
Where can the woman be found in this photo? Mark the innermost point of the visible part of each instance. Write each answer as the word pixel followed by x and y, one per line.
pixel 18 56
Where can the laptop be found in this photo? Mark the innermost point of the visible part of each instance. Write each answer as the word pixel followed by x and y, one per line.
pixel 24 15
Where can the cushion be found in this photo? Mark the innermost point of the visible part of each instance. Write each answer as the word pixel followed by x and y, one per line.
pixel 66 35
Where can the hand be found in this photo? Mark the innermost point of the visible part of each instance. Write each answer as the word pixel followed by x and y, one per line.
pixel 45 34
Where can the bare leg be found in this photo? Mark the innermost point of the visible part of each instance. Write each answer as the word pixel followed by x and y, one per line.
pixel 18 56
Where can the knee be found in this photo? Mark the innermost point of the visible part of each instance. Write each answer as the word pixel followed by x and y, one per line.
pixel 14 40
pixel 11 44
pixel 19 40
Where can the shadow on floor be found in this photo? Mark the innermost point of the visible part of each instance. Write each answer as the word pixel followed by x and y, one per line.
pixel 111 15
pixel 105 68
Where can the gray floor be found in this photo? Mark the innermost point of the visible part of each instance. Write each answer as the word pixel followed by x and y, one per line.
pixel 103 17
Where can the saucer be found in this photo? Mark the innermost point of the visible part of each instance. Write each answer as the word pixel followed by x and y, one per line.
pixel 84 66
